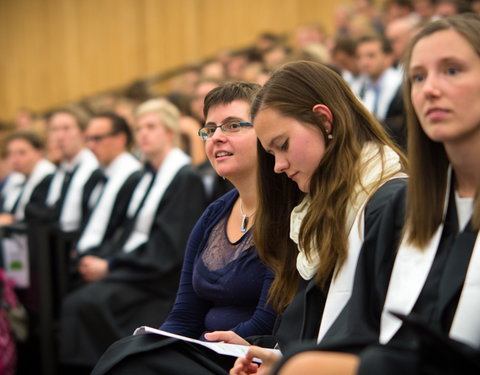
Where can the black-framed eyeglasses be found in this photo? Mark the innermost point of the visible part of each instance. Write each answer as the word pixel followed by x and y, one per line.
pixel 99 138
pixel 228 127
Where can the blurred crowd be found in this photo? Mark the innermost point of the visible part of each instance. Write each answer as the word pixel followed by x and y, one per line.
pixel 346 50
pixel 87 143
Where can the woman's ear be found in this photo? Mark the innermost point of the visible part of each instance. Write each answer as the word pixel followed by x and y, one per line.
pixel 323 110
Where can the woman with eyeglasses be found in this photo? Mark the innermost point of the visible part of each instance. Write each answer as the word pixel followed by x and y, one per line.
pixel 223 285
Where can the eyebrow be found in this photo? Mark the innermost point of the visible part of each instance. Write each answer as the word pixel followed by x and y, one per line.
pixel 444 60
pixel 229 118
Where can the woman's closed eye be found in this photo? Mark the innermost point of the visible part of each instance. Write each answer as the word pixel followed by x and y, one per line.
pixel 284 146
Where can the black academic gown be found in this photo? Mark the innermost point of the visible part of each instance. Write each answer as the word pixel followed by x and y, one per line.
pixel 120 207
pixel 421 345
pixel 39 193
pixel 140 286
pixel 300 321
pixel 37 210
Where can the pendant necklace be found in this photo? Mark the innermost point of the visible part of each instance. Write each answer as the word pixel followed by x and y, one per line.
pixel 245 218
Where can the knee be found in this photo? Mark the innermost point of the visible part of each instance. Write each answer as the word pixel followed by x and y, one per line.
pixel 81 301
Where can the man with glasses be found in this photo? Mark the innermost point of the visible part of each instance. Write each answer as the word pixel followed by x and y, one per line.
pixel 132 278
pixel 109 137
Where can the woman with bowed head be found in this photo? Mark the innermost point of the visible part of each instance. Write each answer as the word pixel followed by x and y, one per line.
pixel 433 289
pixel 327 172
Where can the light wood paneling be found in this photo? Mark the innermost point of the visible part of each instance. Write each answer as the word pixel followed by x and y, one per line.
pixel 56 51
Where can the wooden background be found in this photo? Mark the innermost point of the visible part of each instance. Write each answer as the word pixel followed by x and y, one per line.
pixel 56 51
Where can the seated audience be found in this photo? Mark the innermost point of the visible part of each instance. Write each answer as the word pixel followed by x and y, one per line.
pixel 313 130
pixel 133 277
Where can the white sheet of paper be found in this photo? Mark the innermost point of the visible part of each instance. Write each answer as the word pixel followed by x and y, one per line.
pixel 219 347
pixel 15 257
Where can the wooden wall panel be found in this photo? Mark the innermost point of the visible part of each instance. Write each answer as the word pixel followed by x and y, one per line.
pixel 56 51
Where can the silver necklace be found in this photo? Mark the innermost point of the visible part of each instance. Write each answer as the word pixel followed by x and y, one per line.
pixel 245 218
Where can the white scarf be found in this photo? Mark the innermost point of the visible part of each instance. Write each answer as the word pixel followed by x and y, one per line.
pixel 174 161
pixel 71 213
pixel 42 169
pixel 373 168
pixel 410 271
pixel 117 172
pixel 12 190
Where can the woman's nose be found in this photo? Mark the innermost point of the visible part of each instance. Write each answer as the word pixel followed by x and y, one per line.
pixel 431 86
pixel 281 165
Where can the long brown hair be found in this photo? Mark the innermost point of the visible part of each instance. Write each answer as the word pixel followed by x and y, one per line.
pixel 429 162
pixel 293 91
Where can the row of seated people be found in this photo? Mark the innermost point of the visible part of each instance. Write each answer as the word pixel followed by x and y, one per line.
pixel 380 269
pixel 376 157
pixel 127 221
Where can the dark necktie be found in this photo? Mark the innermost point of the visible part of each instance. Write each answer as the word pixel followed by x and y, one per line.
pixel 98 190
pixel 65 184
pixel 22 189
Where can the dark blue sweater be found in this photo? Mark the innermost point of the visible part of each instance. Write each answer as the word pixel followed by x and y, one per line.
pixel 232 298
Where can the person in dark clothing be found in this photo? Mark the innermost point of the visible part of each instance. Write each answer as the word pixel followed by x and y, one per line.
pixel 133 277
pixel 224 286
pixel 109 137
pixel 67 190
pixel 31 172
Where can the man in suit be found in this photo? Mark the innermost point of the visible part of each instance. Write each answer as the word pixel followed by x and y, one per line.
pixel 382 93
pixel 344 59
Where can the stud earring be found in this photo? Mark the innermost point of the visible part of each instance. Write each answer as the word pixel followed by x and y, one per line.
pixel 330 136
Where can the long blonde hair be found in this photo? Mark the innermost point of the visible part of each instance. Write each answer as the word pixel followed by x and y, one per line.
pixel 293 91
